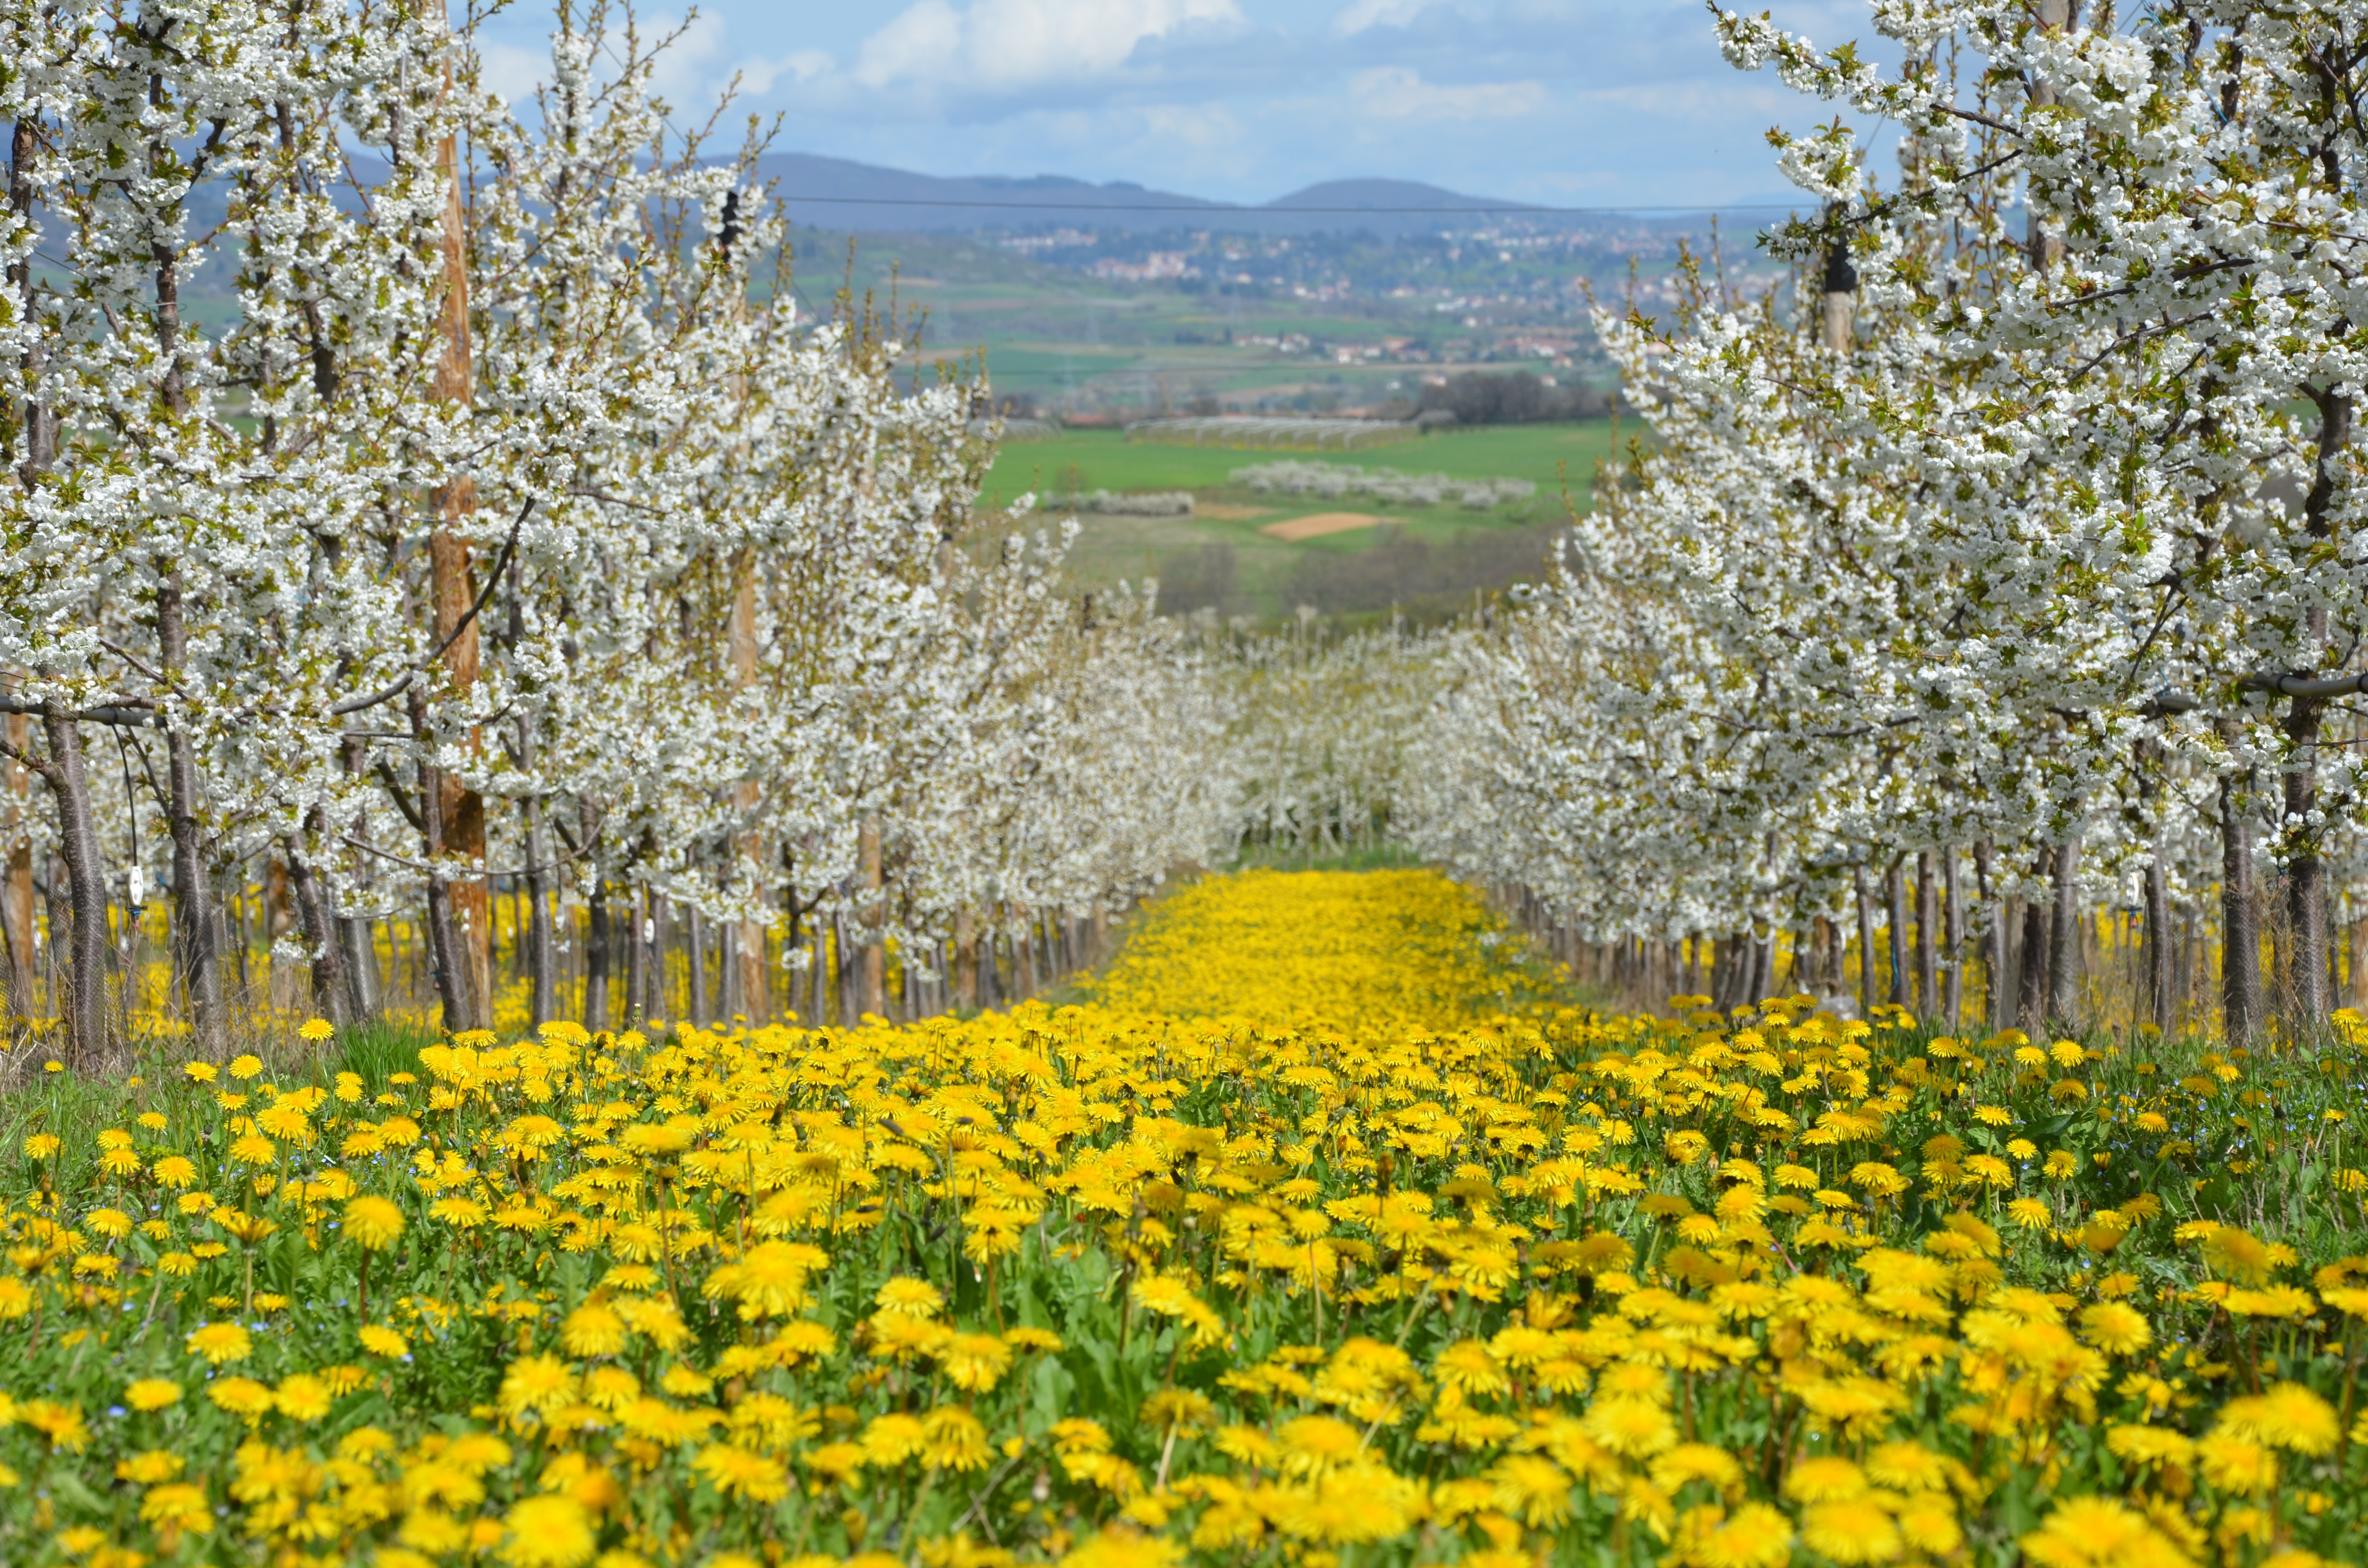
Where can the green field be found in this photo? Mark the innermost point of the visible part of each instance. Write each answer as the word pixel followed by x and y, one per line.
pixel 1106 460
pixel 1425 562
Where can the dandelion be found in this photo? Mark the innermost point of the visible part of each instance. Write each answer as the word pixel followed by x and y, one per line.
pixel 910 1298
pixel 550 1531
pixel 1633 1428
pixel 152 1393
pixel 2237 1464
pixel 2115 1328
pixel 177 1509
pixel 737 1472
pixel 2285 1415
pixel 381 1340
pixel 1757 1536
pixel 300 1396
pixel 220 1343
pixel 537 1384
pixel 952 1438
pixel 973 1361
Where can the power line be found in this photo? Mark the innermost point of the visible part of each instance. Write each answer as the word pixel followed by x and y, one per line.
pixel 1219 211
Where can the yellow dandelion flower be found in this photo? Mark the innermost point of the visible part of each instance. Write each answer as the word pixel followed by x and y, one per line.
pixel 152 1393
pixel 1633 1428
pixel 2285 1415
pixel 2116 1328
pixel 2237 1464
pixel 220 1343
pixel 952 1438
pixel 381 1340
pixel 1312 1444
pixel 550 1531
pixel 1757 1536
pixel 737 1472
pixel 910 1298
pixel 1856 1530
pixel 373 1222
pixel 973 1361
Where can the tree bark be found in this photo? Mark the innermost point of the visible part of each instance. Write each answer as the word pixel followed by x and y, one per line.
pixel 1866 976
pixel 452 582
pixel 750 980
pixel 1954 927
pixel 16 882
pixel 596 959
pixel 541 952
pixel 2305 937
pixel 2240 954
pixel 1928 918
pixel 2031 981
pixel 875 917
pixel 442 955
pixel 194 952
pixel 696 1002
pixel 1995 991
pixel 643 928
pixel 82 1000
pixel 2158 943
pixel 315 908
pixel 965 958
pixel 1895 894
pixel 2066 948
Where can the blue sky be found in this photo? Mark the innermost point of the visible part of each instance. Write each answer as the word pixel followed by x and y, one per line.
pixel 1577 102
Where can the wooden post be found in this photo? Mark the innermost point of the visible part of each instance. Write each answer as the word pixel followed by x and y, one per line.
pixel 455 590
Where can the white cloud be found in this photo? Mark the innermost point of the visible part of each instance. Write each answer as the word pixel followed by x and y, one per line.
pixel 693 73
pixel 1002 45
pixel 1357 17
pixel 1398 92
pixel 690 76
pixel 1199 127
pixel 511 72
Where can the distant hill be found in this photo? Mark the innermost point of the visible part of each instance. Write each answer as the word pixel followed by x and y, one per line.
pixel 838 193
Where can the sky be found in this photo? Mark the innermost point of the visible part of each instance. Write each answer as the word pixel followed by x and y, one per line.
pixel 1558 102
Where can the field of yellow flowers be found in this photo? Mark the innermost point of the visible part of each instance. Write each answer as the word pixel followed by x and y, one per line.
pixel 1252 1261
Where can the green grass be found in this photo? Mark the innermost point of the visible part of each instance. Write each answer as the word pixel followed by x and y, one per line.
pixel 1106 460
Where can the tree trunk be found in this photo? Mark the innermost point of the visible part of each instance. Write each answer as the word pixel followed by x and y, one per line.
pixel 83 998
pixel 442 946
pixel 875 916
pixel 452 585
pixel 965 958
pixel 2158 943
pixel 596 959
pixel 314 903
pixel 1928 920
pixel 1866 974
pixel 641 929
pixel 1954 927
pixel 1895 898
pixel 2031 981
pixel 695 1007
pixel 2065 939
pixel 17 889
pixel 2240 955
pixel 2305 932
pixel 193 923
pixel 542 951
pixel 1994 990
